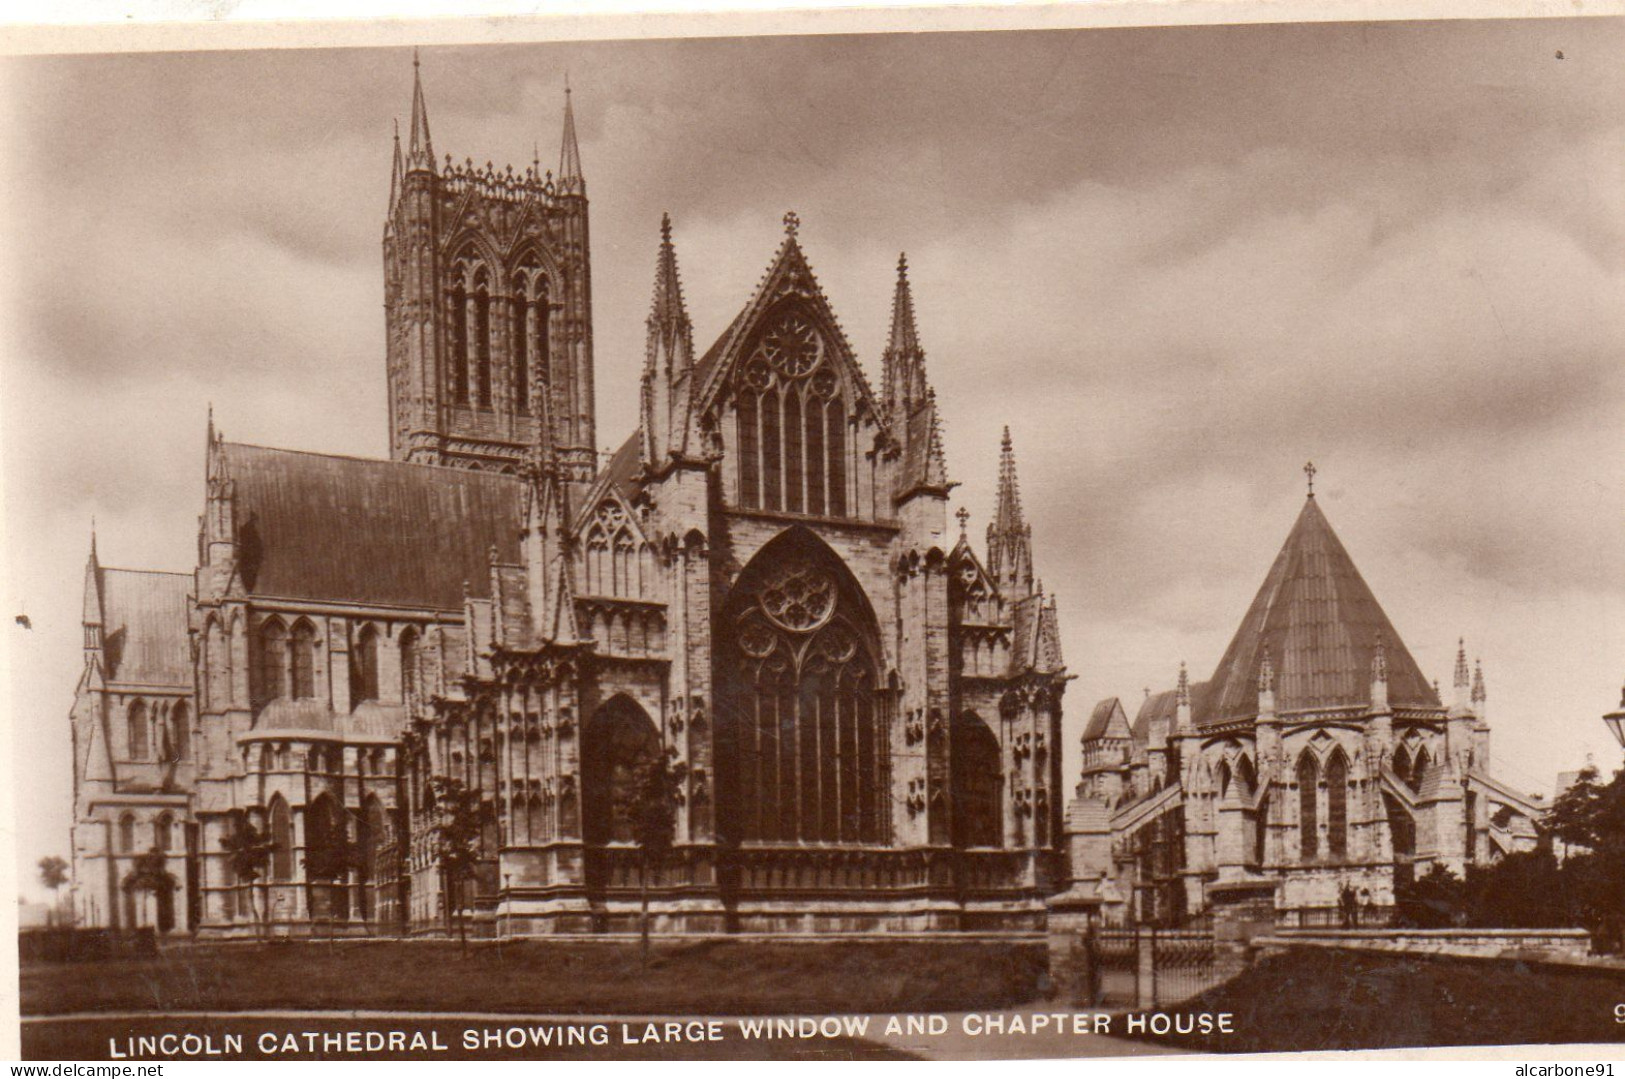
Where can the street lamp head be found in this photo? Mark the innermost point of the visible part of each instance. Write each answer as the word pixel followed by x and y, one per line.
pixel 1616 721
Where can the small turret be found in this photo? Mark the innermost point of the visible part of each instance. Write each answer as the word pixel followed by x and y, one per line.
pixel 93 618
pixel 1379 676
pixel 1183 724
pixel 1461 702
pixel 1009 537
pixel 1266 687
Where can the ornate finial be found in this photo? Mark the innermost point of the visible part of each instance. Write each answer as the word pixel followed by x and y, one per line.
pixel 964 521
pixel 1182 692
pixel 665 228
pixel 1309 471
pixel 792 222
pixel 902 264
pixel 1266 672
pixel 1479 695
pixel 1379 659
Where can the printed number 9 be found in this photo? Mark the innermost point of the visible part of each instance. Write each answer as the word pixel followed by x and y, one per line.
pixel 1619 1013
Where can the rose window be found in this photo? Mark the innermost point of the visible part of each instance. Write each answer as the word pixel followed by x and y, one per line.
pixel 792 347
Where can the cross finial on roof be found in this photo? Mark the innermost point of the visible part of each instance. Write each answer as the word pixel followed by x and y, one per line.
pixel 792 222
pixel 1309 471
pixel 964 521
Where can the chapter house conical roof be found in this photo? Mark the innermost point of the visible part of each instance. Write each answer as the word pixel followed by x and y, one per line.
pixel 1322 626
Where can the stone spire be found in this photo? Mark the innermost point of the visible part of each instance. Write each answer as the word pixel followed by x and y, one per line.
pixel 570 179
pixel 668 360
pixel 903 361
pixel 420 151
pixel 908 399
pixel 1479 697
pixel 1009 537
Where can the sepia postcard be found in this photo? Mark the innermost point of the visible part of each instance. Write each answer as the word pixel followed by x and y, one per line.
pixel 951 534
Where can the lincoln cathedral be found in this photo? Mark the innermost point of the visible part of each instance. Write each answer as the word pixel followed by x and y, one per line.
pixel 761 586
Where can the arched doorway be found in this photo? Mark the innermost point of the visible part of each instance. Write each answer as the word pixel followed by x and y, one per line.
pixel 800 735
pixel 978 781
pixel 621 743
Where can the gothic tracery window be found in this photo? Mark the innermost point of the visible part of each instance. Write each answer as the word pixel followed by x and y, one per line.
pixel 792 422
pixel 800 718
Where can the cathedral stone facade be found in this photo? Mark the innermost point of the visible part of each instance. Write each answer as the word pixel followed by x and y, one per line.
pixel 760 585
pixel 1317 762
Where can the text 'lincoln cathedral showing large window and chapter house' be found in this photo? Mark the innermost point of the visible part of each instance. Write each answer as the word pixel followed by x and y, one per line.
pixel 755 612
pixel 758 596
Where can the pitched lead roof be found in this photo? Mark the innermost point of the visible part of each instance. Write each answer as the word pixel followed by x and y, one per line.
pixel 348 529
pixel 1321 624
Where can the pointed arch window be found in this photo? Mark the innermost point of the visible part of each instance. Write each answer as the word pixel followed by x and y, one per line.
pixel 799 726
pixel 409 663
pixel 271 672
pixel 791 421
pixel 364 666
pixel 140 741
pixel 1308 807
pixel 281 840
pixel 527 333
pixel 1337 805
pixel 163 832
pixel 302 661
pixel 457 322
pixel 180 732
pixel 126 833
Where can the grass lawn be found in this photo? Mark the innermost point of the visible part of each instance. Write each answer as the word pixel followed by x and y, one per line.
pixel 715 977
pixel 1312 999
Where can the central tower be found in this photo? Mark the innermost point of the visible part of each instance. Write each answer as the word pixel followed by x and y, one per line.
pixel 488 309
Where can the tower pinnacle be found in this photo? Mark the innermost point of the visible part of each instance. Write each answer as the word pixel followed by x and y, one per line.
pixel 570 178
pixel 420 151
pixel 1009 537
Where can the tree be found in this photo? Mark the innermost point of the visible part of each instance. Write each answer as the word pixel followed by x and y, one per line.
pixel 1434 900
pixel 657 786
pixel 1590 816
pixel 459 818
pixel 248 852
pixel 53 873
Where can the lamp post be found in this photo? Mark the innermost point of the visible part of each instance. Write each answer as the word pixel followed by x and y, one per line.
pixel 1616 721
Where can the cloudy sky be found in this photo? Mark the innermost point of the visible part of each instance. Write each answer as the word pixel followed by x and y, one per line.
pixel 1177 262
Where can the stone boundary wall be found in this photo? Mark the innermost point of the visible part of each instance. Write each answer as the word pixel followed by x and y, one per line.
pixel 1467 943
